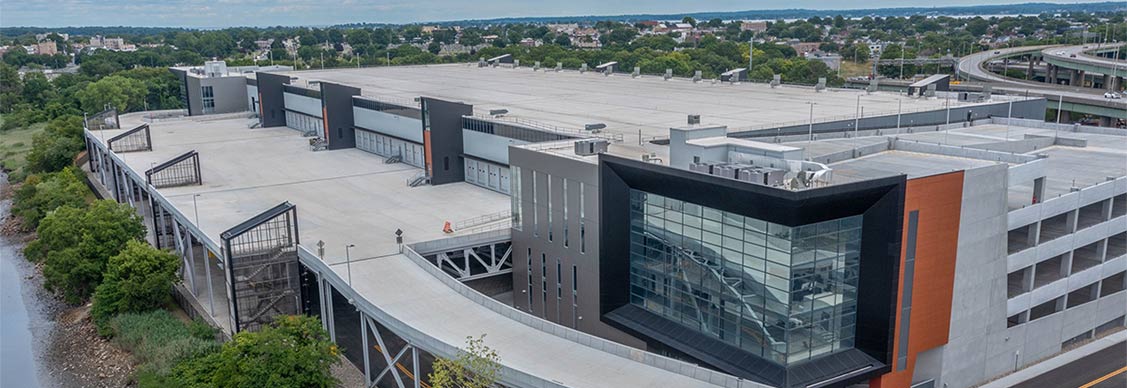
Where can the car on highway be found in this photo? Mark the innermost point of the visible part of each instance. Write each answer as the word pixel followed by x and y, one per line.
pixel 1112 95
pixel 997 52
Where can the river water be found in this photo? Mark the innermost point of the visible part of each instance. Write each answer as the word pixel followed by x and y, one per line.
pixel 25 321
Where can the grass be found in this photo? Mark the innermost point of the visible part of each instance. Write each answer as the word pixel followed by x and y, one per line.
pixel 15 144
pixel 854 69
pixel 159 340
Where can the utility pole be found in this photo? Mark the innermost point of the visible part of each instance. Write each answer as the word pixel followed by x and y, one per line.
pixel 750 54
pixel 811 129
pixel 903 51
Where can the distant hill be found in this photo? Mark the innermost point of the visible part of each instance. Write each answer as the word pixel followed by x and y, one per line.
pixel 999 9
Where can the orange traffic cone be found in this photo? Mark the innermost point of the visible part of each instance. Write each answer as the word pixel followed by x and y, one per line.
pixel 446 228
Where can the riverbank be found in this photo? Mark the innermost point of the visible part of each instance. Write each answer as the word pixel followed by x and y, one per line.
pixel 45 342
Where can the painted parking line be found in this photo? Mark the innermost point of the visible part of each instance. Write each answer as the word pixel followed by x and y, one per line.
pixel 1105 377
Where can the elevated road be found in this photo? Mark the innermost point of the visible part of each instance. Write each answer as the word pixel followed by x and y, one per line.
pixel 1081 58
pixel 1072 98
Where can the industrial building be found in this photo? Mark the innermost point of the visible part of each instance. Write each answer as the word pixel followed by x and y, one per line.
pixel 614 230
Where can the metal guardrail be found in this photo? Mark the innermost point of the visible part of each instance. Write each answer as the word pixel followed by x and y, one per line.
pixel 482 220
pixel 536 125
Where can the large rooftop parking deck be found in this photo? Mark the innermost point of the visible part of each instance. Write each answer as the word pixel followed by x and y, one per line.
pixel 352 197
pixel 626 105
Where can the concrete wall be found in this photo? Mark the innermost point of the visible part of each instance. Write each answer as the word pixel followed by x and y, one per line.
pixel 394 125
pixel 978 310
pixel 308 105
pixel 559 168
pixel 489 147
pixel 229 92
pixel 337 102
pixel 1034 108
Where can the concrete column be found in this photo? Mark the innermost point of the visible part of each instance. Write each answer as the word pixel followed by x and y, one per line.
pixel 1029 69
pixel 1105 121
pixel 1074 77
pixel 1038 190
pixel 1107 81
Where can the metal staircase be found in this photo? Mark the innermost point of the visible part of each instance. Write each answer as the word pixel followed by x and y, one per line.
pixel 394 159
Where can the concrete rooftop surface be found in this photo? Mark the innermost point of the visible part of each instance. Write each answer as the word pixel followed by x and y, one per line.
pixel 343 197
pixel 626 105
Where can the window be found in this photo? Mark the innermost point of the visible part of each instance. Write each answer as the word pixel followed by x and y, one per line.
pixel 574 296
pixel 582 220
pixel 516 198
pixel 529 293
pixel 548 194
pixel 208 99
pixel 564 196
pixel 788 294
pixel 559 288
pixel 535 206
pixel 544 280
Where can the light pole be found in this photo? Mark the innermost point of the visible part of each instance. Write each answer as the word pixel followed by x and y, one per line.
pixel 348 261
pixel 1060 105
pixel 1009 117
pixel 899 105
pixel 811 129
pixel 857 120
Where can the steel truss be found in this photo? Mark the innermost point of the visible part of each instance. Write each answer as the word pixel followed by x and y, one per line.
pixel 262 267
pixel 136 139
pixel 182 170
pixel 475 262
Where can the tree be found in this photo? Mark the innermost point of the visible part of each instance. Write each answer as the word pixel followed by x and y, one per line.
pixel 978 26
pixel 51 152
pixel 124 94
pixel 42 193
pixel 563 40
pixel 76 243
pixel 690 20
pixel 477 366
pixel 294 352
pixel 137 279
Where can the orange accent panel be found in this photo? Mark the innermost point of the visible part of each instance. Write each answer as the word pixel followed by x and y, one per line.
pixel 325 123
pixel 427 153
pixel 938 199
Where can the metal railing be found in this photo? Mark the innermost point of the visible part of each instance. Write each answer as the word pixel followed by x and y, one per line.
pixel 482 220
pixel 579 133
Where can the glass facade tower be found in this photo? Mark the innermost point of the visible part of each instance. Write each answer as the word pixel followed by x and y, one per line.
pixel 787 294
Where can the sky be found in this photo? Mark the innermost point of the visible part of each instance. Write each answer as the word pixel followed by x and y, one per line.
pixel 229 13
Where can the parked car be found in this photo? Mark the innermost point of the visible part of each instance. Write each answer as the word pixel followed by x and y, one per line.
pixel 1112 95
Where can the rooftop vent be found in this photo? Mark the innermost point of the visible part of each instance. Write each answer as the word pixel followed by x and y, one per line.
pixel 498 112
pixel 694 119
pixel 594 127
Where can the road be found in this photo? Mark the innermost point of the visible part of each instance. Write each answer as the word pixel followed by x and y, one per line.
pixel 1104 369
pixel 1089 100
pixel 1079 54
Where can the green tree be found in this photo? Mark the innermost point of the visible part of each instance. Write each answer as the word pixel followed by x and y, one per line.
pixel 477 366
pixel 76 243
pixel 294 352
pixel 42 193
pixel 137 279
pixel 690 20
pixel 125 94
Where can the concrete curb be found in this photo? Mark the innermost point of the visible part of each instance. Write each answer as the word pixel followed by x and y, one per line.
pixel 1057 361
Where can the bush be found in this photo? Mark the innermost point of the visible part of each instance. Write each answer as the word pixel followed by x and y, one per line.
pixel 158 342
pixel 40 194
pixel 137 279
pixel 54 150
pixel 294 352
pixel 75 244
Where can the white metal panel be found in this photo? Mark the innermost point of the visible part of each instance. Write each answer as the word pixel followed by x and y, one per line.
pixel 386 123
pixel 308 105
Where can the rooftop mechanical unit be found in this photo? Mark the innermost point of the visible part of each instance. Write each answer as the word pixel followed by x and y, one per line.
pixel 760 175
pixel 588 147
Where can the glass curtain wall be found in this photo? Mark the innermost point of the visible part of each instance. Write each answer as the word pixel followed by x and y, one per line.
pixel 787 294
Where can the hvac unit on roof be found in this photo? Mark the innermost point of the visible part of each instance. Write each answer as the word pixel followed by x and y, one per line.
pixel 587 147
pixel 594 127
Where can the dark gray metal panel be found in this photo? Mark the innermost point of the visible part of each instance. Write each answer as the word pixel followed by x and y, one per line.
pixel 194 95
pixel 445 122
pixel 336 100
pixel 270 96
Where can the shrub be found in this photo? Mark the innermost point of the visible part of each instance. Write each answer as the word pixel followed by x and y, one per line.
pixel 51 152
pixel 137 279
pixel 158 342
pixel 41 194
pixel 75 245
pixel 477 366
pixel 293 352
